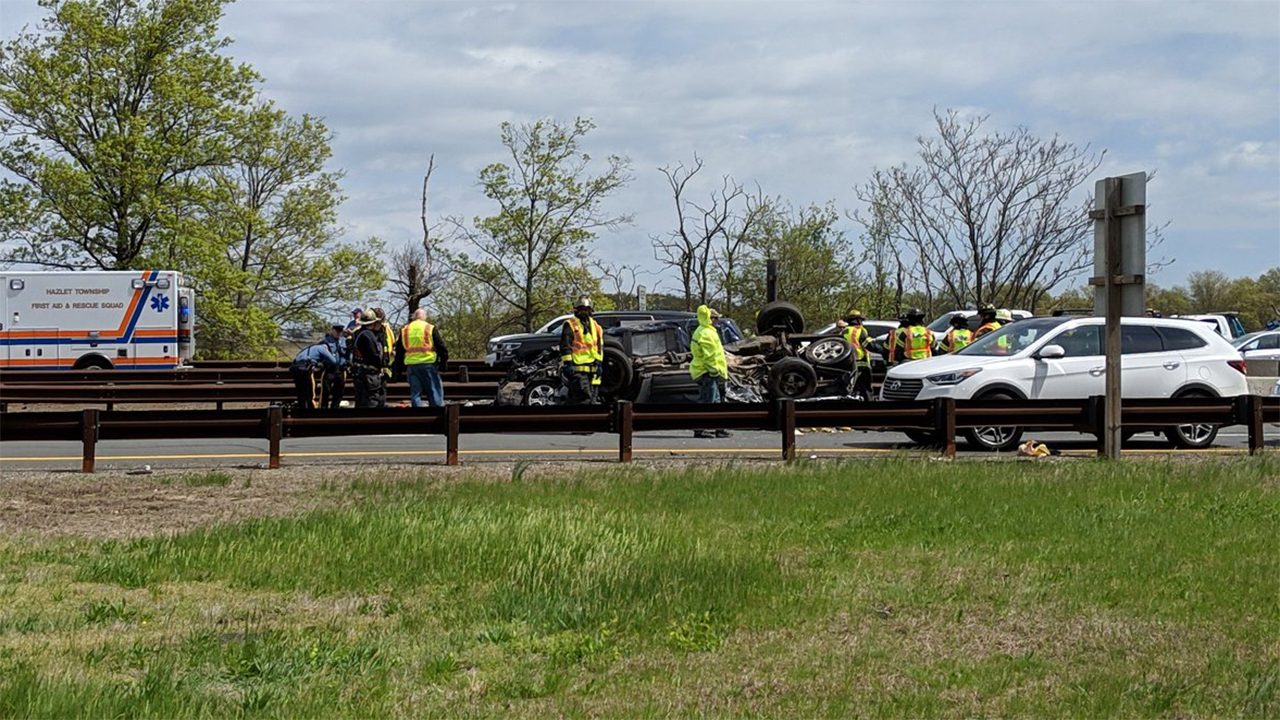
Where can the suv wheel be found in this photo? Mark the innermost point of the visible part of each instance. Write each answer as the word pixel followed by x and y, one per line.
pixel 828 352
pixel 792 378
pixel 1192 437
pixel 541 392
pixel 922 437
pixel 994 439
pixel 780 315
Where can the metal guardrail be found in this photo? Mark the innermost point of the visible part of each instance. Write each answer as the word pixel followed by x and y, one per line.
pixel 218 393
pixel 942 417
pixel 454 373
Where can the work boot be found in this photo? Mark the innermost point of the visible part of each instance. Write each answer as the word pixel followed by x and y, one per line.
pixel 723 434
pixel 701 434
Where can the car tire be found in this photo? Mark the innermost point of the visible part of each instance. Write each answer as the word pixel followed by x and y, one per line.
pixel 792 378
pixel 92 362
pixel 927 438
pixel 1191 437
pixel 994 439
pixel 780 315
pixel 828 352
pixel 618 372
pixel 541 393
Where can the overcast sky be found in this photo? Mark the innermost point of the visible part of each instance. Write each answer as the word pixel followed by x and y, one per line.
pixel 804 98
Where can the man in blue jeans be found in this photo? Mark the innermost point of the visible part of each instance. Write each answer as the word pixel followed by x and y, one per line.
pixel 708 366
pixel 424 354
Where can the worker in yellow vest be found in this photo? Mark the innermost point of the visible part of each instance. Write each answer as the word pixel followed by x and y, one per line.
pixel 581 354
pixel 959 336
pixel 915 341
pixel 858 337
pixel 424 354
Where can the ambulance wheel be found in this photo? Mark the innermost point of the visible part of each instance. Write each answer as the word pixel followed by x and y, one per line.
pixel 92 362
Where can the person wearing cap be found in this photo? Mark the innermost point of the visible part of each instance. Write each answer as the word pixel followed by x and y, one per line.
pixel 959 336
pixel 335 378
pixel 858 337
pixel 308 365
pixel 424 354
pixel 354 325
pixel 727 332
pixel 368 358
pixel 581 354
pixel 708 366
pixel 388 346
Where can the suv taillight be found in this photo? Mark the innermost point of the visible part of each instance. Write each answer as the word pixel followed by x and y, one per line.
pixel 1239 365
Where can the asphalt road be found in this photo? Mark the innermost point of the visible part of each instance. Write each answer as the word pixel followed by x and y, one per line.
pixel 130 454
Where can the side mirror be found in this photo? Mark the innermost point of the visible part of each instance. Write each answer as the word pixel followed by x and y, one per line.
pixel 1051 352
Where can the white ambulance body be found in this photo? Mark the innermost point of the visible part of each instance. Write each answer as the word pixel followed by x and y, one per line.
pixel 68 319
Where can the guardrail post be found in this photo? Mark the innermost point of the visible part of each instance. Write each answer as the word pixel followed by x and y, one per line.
pixel 1253 412
pixel 89 434
pixel 625 415
pixel 1097 411
pixel 275 429
pixel 944 425
pixel 787 424
pixel 451 434
pixel 464 375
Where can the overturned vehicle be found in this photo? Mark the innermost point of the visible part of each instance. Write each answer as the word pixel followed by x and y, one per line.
pixel 649 362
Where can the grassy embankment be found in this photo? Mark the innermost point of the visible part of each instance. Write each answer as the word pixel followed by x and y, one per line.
pixel 897 588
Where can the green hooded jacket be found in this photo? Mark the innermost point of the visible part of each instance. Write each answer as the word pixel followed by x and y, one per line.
pixel 708 353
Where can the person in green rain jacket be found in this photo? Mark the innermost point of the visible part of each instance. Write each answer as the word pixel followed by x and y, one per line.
pixel 708 366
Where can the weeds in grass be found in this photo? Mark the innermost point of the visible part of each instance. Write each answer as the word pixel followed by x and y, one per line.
pixel 108 611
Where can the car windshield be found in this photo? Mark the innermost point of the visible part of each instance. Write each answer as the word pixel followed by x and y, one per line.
pixel 943 323
pixel 1244 339
pixel 554 325
pixel 1014 337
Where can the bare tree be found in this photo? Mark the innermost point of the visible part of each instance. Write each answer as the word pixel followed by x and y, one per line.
pixel 414 272
pixel 737 244
pixel 689 248
pixel 620 281
pixel 991 218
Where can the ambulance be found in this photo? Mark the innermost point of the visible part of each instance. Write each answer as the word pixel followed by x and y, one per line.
pixel 95 319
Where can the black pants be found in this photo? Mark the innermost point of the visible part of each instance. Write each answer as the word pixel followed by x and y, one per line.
pixel 370 391
pixel 862 383
pixel 335 385
pixel 581 391
pixel 305 385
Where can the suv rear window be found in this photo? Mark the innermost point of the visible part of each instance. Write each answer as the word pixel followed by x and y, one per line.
pixel 1137 339
pixel 1176 338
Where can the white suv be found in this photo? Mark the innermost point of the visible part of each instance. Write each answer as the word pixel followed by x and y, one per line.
pixel 1063 357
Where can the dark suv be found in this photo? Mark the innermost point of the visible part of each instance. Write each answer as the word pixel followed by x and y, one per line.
pixel 510 349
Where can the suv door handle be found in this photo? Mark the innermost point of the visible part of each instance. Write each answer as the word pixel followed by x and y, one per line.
pixel 1097 371
pixel 1172 365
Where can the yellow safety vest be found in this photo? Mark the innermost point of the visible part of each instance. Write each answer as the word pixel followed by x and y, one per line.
pixel 417 341
pixel 585 349
pixel 918 342
pixel 958 338
pixel 857 336
pixel 985 328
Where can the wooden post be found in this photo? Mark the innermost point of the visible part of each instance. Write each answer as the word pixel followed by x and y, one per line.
pixel 944 425
pixel 1254 410
pixel 464 375
pixel 218 406
pixel 275 422
pixel 451 434
pixel 89 435
pixel 625 415
pixel 787 424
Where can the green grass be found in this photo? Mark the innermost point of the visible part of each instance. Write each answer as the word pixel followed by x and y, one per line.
pixel 899 588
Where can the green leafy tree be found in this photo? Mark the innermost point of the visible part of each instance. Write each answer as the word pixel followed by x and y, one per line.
pixel 132 141
pixel 817 268
pixel 108 117
pixel 274 206
pixel 534 252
